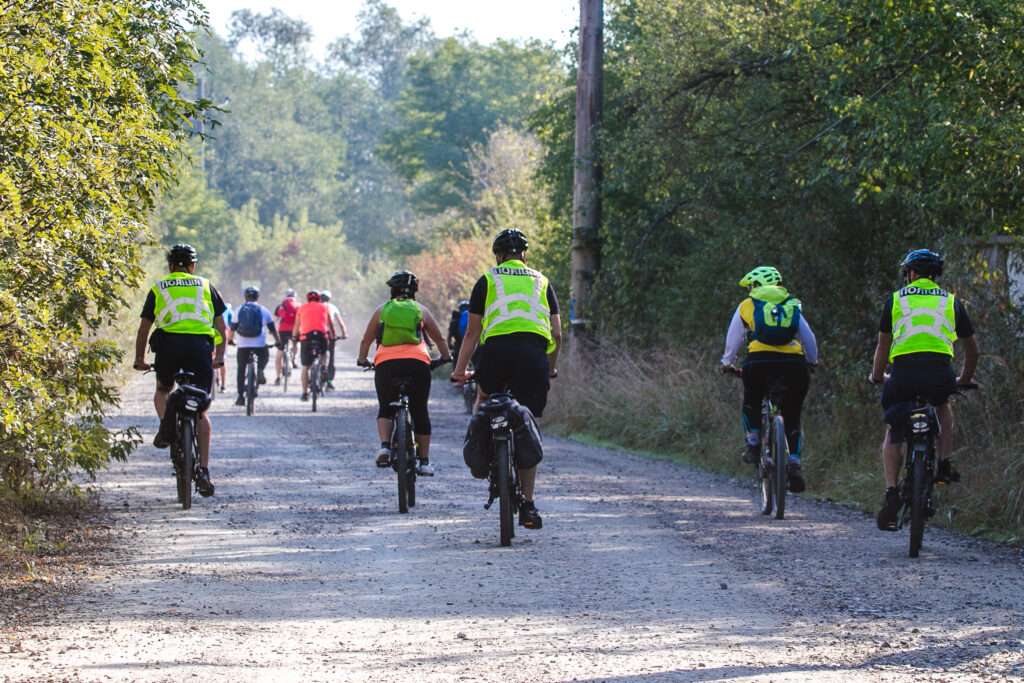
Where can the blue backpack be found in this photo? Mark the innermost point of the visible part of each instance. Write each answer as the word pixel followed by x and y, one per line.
pixel 775 324
pixel 250 320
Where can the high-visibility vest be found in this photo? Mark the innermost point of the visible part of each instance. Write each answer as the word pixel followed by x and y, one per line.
pixel 517 301
pixel 923 319
pixel 184 305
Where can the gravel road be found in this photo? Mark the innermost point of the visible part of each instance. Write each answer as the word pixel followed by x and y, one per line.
pixel 301 569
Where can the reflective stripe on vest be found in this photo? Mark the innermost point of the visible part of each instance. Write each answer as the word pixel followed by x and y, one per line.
pixel 517 302
pixel 184 305
pixel 924 320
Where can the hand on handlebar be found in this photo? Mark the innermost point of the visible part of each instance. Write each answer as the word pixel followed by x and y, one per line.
pixel 438 362
pixel 730 370
pixel 364 363
pixel 142 366
pixel 459 380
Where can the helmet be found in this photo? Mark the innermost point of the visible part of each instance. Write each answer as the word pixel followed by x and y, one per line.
pixel 923 262
pixel 510 241
pixel 761 276
pixel 289 292
pixel 252 293
pixel 325 295
pixel 463 305
pixel 404 281
pixel 312 295
pixel 182 255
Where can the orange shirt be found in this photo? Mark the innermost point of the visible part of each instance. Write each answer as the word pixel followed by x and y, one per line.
pixel 414 351
pixel 312 316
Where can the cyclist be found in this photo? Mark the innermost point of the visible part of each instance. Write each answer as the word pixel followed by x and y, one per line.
pixel 339 330
pixel 919 324
pixel 514 316
pixel 284 319
pixel 222 371
pixel 398 327
pixel 188 315
pixel 313 327
pixel 780 343
pixel 250 318
pixel 457 326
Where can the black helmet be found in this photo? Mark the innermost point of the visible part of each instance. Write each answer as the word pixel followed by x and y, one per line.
pixel 312 295
pixel 510 241
pixel 182 255
pixel 252 293
pixel 404 281
pixel 923 262
pixel 463 305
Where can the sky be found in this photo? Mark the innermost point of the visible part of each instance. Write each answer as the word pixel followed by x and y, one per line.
pixel 487 20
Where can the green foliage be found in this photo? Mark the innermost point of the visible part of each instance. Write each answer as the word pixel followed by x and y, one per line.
pixel 91 123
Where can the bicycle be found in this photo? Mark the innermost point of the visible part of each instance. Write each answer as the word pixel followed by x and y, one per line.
pixel 917 487
pixel 771 476
pixel 503 478
pixel 286 365
pixel 189 403
pixel 316 388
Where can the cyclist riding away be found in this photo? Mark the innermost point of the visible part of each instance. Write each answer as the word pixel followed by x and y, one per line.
pixel 514 317
pixel 313 327
pixel 339 330
pixel 457 326
pixel 222 371
pixel 188 314
pixel 249 329
pixel 398 327
pixel 780 343
pixel 284 319
pixel 919 325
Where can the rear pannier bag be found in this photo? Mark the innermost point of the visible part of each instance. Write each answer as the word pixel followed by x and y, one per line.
pixel 476 449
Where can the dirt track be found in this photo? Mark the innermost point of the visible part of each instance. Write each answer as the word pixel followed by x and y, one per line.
pixel 301 568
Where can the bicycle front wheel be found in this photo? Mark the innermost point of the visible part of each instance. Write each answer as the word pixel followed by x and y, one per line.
pixel 504 453
pixel 780 460
pixel 250 388
pixel 400 448
pixel 314 379
pixel 186 471
pixel 918 480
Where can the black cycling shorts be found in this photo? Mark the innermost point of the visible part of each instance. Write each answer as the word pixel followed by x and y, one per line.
pixel 935 383
pixel 286 336
pixel 306 347
pixel 190 352
pixel 419 392
pixel 517 362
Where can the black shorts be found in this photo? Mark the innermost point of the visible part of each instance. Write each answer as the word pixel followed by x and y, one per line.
pixel 306 347
pixel 286 336
pixel 934 382
pixel 190 352
pixel 519 363
pixel 419 392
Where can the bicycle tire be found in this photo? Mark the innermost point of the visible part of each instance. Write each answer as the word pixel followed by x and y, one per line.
pixel 763 478
pixel 286 370
pixel 918 480
pixel 186 471
pixel 176 461
pixel 250 388
pixel 314 376
pixel 504 456
pixel 410 489
pixel 780 460
pixel 400 445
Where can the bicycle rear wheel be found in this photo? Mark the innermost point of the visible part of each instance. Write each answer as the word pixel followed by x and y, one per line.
pixel 918 479
pixel 410 489
pixel 286 369
pixel 504 453
pixel 780 460
pixel 185 470
pixel 314 381
pixel 250 388
pixel 763 478
pixel 399 446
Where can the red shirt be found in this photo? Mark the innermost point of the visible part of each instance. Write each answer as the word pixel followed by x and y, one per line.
pixel 286 312
pixel 312 316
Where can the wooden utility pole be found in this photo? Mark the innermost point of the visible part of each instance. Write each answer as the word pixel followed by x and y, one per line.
pixel 586 203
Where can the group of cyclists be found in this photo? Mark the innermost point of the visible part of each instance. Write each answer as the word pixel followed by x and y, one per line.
pixel 510 330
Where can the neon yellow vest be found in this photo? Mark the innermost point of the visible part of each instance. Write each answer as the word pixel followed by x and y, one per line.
pixel 517 301
pixel 184 305
pixel 401 321
pixel 923 320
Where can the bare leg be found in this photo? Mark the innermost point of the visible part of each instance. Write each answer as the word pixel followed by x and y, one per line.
pixel 305 379
pixel 278 361
pixel 423 446
pixel 160 399
pixel 527 478
pixel 384 427
pixel 892 457
pixel 203 430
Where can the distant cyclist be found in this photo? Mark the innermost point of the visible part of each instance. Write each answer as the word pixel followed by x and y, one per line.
pixel 779 343
pixel 339 330
pixel 188 315
pixel 514 315
pixel 398 327
pixel 313 327
pixel 919 324
pixel 249 327
pixel 222 371
pixel 457 326
pixel 284 319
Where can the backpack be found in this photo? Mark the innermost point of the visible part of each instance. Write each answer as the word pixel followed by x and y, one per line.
pixel 250 320
pixel 775 324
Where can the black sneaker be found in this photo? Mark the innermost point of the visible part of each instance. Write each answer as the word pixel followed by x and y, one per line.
pixel 945 474
pixel 240 401
pixel 203 482
pixel 888 516
pixel 163 437
pixel 528 516
pixel 277 381
pixel 261 378
pixel 305 396
pixel 796 477
pixel 752 454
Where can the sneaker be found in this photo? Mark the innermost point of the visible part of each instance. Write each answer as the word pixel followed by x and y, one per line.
pixel 261 378
pixel 163 439
pixel 277 381
pixel 383 457
pixel 223 387
pixel 305 396
pixel 424 469
pixel 528 515
pixel 888 516
pixel 329 386
pixel 796 477
pixel 240 401
pixel 752 454
pixel 203 482
pixel 945 474
pixel 295 364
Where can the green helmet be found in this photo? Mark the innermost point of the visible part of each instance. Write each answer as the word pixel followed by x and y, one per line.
pixel 762 276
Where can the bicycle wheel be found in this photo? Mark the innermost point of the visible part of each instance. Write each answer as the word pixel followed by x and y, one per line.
pixel 314 380
pixel 918 480
pixel 286 369
pixel 763 478
pixel 780 460
pixel 410 489
pixel 186 471
pixel 399 446
pixel 250 387
pixel 504 449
